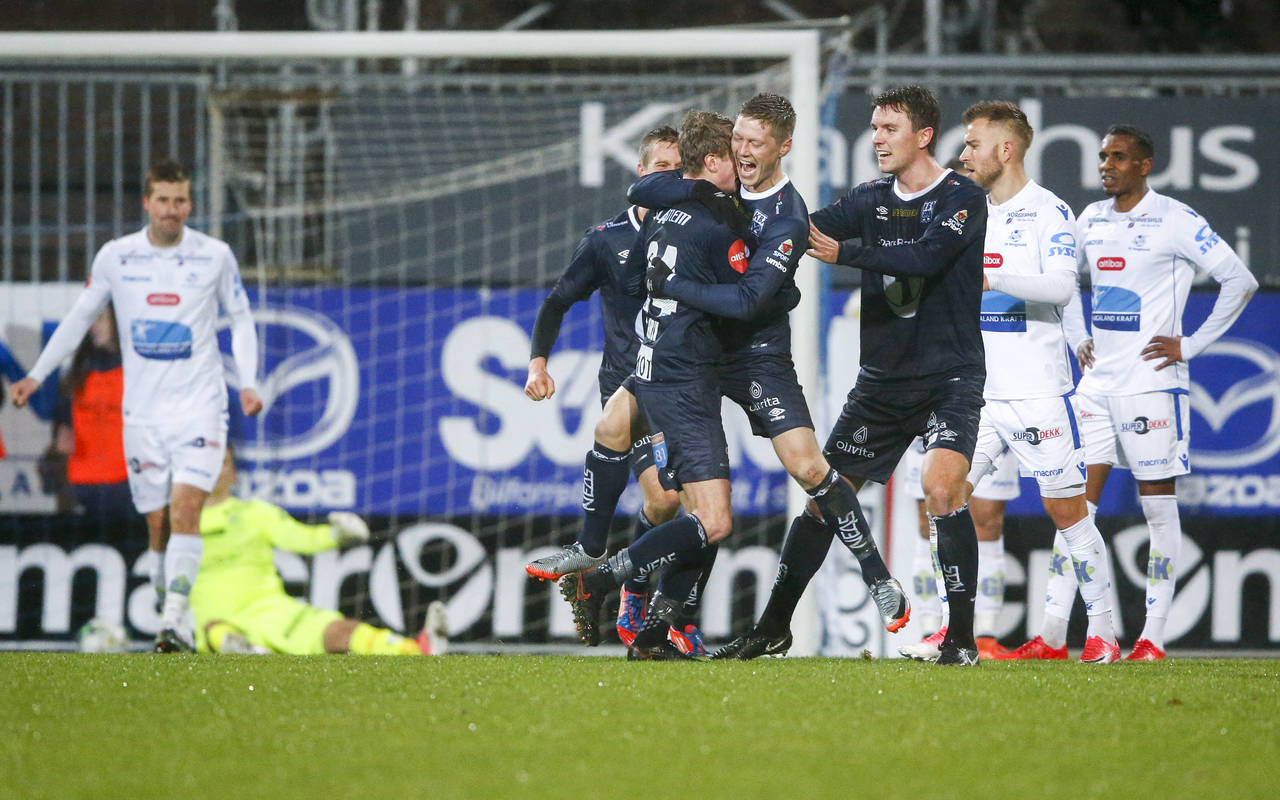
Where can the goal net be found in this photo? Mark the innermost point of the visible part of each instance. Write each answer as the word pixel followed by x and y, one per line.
pixel 400 206
pixel 400 234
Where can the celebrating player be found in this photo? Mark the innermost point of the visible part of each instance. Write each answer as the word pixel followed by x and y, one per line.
pixel 1142 249
pixel 922 366
pixel 166 282
pixel 756 370
pixel 596 265
pixel 240 604
pixel 676 386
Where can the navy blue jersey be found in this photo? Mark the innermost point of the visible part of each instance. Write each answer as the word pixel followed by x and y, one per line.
pixel 598 263
pixel 753 307
pixel 678 342
pixel 922 279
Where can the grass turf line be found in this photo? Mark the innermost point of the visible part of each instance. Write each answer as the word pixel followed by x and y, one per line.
pixel 547 726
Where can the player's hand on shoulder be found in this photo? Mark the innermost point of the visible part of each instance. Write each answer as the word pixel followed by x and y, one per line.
pixel 822 246
pixel 725 207
pixel 250 402
pixel 347 528
pixel 21 391
pixel 655 277
pixel 539 385
pixel 1168 348
pixel 1084 354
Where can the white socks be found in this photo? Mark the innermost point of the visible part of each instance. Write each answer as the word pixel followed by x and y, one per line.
pixel 928 606
pixel 1165 529
pixel 990 599
pixel 181 565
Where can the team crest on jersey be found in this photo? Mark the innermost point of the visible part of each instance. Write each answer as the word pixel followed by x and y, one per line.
pixel 926 211
pixel 758 219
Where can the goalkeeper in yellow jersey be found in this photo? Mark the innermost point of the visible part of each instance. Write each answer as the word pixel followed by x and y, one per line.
pixel 240 604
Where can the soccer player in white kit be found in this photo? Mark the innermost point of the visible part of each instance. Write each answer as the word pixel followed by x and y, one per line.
pixel 1029 275
pixel 166 283
pixel 1142 250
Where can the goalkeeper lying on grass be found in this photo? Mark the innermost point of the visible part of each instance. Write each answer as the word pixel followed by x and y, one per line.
pixel 240 604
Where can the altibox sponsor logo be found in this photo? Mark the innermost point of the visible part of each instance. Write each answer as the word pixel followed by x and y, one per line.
pixel 992 260
pixel 1111 263
pixel 163 299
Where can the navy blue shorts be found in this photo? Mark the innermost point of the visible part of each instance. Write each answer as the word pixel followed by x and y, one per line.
pixel 641 456
pixel 877 424
pixel 687 439
pixel 767 388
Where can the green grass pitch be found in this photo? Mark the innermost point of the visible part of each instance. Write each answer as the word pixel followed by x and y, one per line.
pixel 555 726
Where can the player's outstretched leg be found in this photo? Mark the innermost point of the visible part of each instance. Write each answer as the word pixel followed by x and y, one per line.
pixel 604 478
pixel 803 552
pixel 840 508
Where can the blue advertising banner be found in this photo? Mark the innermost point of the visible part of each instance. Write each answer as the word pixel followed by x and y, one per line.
pixel 411 402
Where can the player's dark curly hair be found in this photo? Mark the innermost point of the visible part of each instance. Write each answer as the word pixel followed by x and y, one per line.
pixel 165 171
pixel 704 133
pixel 920 106
pixel 1146 146
pixel 662 133
pixel 775 111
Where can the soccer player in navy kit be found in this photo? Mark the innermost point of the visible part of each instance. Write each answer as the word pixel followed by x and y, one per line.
pixel 597 264
pixel 756 370
pixel 922 370
pixel 675 381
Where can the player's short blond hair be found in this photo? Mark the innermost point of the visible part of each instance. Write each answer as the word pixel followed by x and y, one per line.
pixel 1008 114
pixel 664 134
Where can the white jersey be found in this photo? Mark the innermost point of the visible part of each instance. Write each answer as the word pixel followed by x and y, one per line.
pixel 166 306
pixel 1031 234
pixel 1141 264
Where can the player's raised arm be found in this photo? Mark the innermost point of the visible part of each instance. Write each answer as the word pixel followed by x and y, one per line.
pixel 840 220
pixel 956 226
pixel 662 190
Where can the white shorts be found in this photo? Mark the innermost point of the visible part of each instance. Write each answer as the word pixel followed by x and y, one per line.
pixel 1146 434
pixel 1043 434
pixel 159 456
pixel 1002 484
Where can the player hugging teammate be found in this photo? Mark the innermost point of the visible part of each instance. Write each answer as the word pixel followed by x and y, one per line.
pixel 719 274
